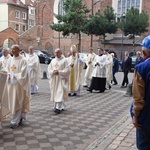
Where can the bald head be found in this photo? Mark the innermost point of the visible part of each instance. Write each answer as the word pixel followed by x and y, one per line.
pixel 15 50
pixel 58 52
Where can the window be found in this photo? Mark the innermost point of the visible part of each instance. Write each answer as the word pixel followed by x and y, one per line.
pixel 32 11
pixel 132 3
pixel 24 15
pixel 128 4
pixel 124 5
pixel 31 22
pixel 137 3
pixel 60 8
pixel 17 27
pixel 23 28
pixel 17 14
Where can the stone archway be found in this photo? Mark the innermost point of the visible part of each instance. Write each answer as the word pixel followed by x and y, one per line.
pixel 8 37
pixel 8 43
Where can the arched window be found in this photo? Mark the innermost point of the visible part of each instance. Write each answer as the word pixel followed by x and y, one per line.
pixel 60 8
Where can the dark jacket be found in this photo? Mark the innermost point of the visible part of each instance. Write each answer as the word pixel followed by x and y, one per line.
pixel 144 71
pixel 138 60
pixel 126 64
pixel 115 65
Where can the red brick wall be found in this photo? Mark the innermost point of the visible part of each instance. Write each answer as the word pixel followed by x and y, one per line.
pixel 13 21
pixel 8 33
pixel 44 12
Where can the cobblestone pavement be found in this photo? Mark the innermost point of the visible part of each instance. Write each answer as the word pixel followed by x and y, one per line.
pixel 119 137
pixel 86 119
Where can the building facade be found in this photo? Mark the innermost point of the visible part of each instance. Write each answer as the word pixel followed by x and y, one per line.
pixel 37 31
pixel 15 14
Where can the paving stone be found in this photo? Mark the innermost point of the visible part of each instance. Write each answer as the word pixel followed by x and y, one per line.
pixel 85 119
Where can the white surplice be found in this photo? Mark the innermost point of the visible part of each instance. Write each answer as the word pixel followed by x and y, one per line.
pixel 34 71
pixel 59 83
pixel 99 70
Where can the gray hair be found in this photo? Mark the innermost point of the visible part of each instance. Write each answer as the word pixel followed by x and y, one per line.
pixel 7 49
pixel 145 49
pixel 31 47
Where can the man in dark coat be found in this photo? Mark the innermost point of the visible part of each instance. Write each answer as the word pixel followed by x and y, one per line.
pixel 115 68
pixel 126 68
pixel 139 58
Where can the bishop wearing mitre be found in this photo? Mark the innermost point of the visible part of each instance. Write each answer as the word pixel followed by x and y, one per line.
pixel 76 67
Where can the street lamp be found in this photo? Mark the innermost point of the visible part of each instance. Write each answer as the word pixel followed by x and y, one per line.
pixel 92 12
pixel 122 28
pixel 38 41
pixel 59 39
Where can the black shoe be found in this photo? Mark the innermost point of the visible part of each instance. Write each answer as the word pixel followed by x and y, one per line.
pixel 115 83
pixel 57 111
pixel 89 90
pixel 13 126
pixel 109 87
pixel 85 86
pixel 69 94
pixel 20 121
pixel 123 86
pixel 74 94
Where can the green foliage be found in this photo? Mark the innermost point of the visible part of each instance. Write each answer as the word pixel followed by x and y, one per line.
pixel 135 23
pixel 100 24
pixel 73 19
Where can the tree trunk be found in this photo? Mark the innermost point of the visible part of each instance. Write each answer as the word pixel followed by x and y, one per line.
pixel 79 45
pixel 104 40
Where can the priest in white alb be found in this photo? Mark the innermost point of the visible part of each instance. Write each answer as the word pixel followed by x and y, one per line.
pixel 76 67
pixel 18 88
pixel 58 71
pixel 89 69
pixel 6 56
pixel 34 69
pixel 109 66
pixel 3 78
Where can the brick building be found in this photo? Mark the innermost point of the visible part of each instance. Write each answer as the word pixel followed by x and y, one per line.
pixel 42 37
pixel 17 15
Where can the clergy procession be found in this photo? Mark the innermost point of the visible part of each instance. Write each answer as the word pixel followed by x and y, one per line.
pixel 20 74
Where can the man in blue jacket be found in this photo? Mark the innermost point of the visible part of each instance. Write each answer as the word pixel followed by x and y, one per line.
pixel 141 95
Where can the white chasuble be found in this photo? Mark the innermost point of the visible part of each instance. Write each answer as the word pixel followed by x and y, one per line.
pixel 109 66
pixel 18 85
pixel 3 91
pixel 89 69
pixel 59 83
pixel 6 60
pixel 34 68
